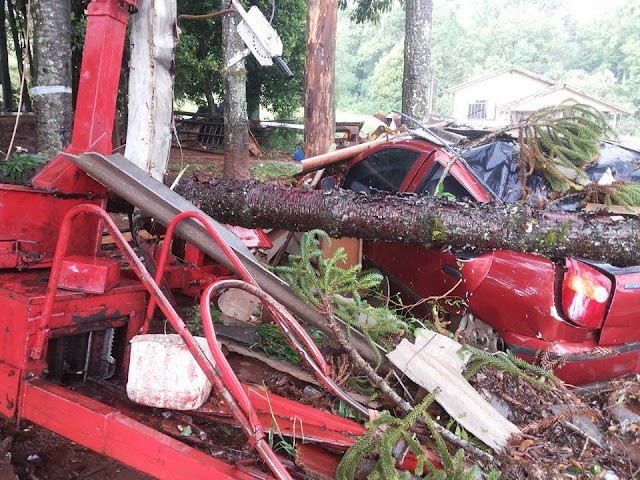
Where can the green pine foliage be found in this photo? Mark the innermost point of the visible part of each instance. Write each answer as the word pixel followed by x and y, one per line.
pixel 382 435
pixel 508 362
pixel 626 194
pixel 323 284
pixel 385 432
pixel 559 138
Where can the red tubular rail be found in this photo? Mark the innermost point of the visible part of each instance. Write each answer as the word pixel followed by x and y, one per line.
pixel 296 335
pixel 244 414
pixel 240 269
pixel 286 319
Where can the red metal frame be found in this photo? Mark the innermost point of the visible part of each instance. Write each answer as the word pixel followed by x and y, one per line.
pixel 236 402
pixel 109 432
pixel 38 226
pixel 296 335
pixel 97 95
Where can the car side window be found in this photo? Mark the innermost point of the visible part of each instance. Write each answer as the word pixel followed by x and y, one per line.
pixel 384 170
pixel 449 185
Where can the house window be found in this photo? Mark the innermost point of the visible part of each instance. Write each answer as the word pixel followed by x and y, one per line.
pixel 478 110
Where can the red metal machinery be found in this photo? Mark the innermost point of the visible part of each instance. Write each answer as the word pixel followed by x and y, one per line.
pixel 69 311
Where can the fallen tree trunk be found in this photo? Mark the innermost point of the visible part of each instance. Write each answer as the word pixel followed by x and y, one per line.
pixel 426 221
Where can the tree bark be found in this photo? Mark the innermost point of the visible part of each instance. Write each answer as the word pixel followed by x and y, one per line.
pixel 417 59
pixel 426 221
pixel 236 124
pixel 154 36
pixel 52 90
pixel 319 89
pixel 5 76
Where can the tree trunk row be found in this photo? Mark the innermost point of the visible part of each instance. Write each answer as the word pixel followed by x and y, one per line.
pixel 426 221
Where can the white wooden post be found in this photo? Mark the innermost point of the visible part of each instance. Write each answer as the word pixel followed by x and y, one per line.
pixel 154 35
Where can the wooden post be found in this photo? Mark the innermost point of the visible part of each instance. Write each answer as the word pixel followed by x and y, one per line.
pixel 236 123
pixel 319 89
pixel 154 36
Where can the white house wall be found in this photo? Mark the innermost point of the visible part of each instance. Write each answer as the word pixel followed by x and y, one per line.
pixel 497 90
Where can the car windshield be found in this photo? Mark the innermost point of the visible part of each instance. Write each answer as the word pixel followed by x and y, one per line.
pixel 384 170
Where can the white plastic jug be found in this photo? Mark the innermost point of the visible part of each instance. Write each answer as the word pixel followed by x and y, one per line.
pixel 164 374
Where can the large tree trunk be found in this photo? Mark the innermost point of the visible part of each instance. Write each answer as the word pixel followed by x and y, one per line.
pixel 426 221
pixel 52 90
pixel 154 36
pixel 5 76
pixel 417 59
pixel 236 124
pixel 319 89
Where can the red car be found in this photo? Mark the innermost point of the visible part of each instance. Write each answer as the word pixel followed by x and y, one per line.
pixel 584 311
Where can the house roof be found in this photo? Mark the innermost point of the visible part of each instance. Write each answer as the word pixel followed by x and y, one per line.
pixel 614 107
pixel 509 69
pixel 552 87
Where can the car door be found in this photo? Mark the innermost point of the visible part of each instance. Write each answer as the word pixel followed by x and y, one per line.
pixel 417 271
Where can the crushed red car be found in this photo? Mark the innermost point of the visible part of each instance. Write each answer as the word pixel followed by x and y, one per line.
pixel 577 310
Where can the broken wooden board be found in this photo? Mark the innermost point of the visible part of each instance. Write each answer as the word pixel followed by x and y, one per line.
pixel 615 209
pixel 434 361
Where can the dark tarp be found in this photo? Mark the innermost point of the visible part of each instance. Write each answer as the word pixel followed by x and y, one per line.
pixel 496 164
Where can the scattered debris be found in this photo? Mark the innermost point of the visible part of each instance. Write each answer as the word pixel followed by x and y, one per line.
pixel 435 361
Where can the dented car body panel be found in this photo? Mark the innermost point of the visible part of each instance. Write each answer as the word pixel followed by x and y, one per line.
pixel 584 311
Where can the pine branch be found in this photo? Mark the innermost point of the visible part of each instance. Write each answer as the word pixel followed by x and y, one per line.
pixel 508 362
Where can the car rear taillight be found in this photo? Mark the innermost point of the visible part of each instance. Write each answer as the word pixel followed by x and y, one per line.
pixel 585 292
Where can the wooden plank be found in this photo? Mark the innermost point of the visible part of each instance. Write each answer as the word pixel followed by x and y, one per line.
pixel 352 247
pixel 434 362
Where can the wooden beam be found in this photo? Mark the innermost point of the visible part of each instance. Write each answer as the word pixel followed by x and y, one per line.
pixel 319 96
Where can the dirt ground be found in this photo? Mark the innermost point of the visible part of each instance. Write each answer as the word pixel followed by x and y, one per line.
pixel 31 452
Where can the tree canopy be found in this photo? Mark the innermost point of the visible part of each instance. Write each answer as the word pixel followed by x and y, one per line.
pixel 199 57
pixel 599 54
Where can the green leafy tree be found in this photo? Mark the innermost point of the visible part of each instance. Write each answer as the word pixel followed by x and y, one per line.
pixel 387 79
pixel 360 48
pixel 265 86
pixel 367 10
pixel 199 55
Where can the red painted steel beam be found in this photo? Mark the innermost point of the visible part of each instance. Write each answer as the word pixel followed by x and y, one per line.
pixel 109 432
pixel 96 102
